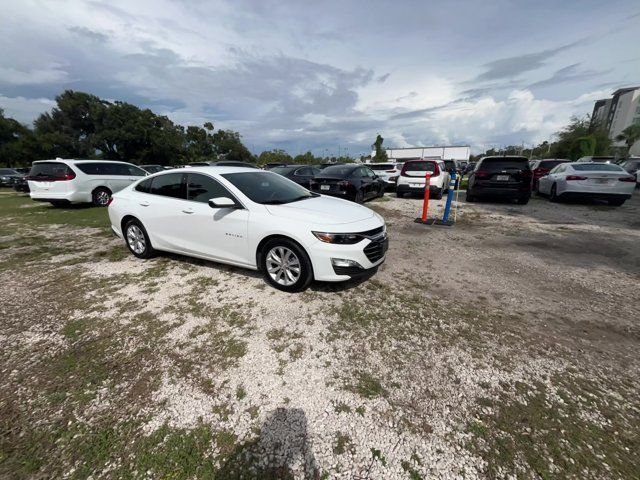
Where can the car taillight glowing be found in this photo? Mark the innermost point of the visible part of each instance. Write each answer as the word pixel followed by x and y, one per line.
pixel 482 174
pixel 627 179
pixel 575 177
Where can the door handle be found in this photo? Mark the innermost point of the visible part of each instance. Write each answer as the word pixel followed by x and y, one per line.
pixel 144 204
pixel 188 211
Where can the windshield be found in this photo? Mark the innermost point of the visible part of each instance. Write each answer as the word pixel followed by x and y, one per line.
pixel 506 163
pixel 597 167
pixel 44 170
pixel 268 188
pixel 381 166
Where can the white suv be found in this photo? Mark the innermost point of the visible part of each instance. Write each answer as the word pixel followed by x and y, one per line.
pixel 389 172
pixel 61 182
pixel 412 178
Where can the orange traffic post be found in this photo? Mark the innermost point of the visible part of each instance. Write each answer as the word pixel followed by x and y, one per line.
pixel 425 205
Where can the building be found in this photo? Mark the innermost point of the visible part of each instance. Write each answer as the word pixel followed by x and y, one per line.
pixel 617 113
pixel 459 152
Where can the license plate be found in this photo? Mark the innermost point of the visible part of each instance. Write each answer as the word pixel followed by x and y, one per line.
pixel 503 178
pixel 416 185
pixel 325 187
pixel 602 180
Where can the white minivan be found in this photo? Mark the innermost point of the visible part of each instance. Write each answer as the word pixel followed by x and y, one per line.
pixel 61 182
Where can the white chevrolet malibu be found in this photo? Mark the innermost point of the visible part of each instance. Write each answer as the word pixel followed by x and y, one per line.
pixel 253 219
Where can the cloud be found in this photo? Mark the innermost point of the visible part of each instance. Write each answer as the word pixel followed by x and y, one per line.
pixel 25 110
pixel 89 34
pixel 569 74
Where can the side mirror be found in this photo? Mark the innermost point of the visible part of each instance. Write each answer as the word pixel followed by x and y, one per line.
pixel 222 202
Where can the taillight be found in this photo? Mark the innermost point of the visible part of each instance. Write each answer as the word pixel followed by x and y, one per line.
pixel 526 173
pixel 404 169
pixel 66 176
pixel 344 183
pixel 110 200
pixel 575 177
pixel 627 179
pixel 482 174
pixel 436 172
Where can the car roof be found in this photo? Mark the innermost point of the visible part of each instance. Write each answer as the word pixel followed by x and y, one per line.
pixel 75 161
pixel 219 170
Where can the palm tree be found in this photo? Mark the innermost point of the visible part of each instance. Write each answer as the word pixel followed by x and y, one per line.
pixel 629 135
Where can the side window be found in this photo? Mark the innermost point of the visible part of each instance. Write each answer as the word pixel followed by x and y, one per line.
pixel 144 186
pixel 370 173
pixel 135 171
pixel 358 173
pixel 169 185
pixel 89 168
pixel 303 172
pixel 201 188
pixel 119 169
pixel 315 171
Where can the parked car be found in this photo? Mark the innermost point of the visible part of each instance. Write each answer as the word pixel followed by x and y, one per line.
pixel 412 178
pixel 23 170
pixel 9 177
pixel 152 168
pixel 632 165
pixel 389 172
pixel 540 168
pixel 350 181
pixel 604 181
pixel 596 159
pixel 507 177
pixel 21 184
pixel 61 182
pixel 252 219
pixel 301 174
pixel 469 168
pixel 451 166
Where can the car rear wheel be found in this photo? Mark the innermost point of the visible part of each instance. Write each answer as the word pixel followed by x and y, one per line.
pixel 399 194
pixel 553 194
pixel 438 194
pixel 101 196
pixel 469 197
pixel 286 265
pixel 523 200
pixel 137 240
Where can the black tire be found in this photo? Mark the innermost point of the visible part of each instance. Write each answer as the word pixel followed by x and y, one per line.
pixel 270 265
pixel 399 194
pixel 100 197
pixel 616 202
pixel 438 195
pixel 522 200
pixel 359 197
pixel 470 198
pixel 553 195
pixel 139 246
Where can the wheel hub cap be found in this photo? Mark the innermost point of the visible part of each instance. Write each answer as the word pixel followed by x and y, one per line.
pixel 283 266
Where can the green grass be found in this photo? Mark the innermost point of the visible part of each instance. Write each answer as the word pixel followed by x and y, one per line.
pixel 368 386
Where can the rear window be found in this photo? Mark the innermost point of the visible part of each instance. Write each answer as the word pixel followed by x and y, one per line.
pixel 44 170
pixel 168 185
pixel 8 171
pixel 283 170
pixel 338 170
pixel 550 163
pixel 601 159
pixel 499 164
pixel 420 166
pixel 381 166
pixel 596 167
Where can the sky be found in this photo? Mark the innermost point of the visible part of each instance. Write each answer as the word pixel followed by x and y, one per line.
pixel 328 76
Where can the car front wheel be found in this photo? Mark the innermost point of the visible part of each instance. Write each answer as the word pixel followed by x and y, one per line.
pixel 137 240
pixel 553 194
pixel 101 196
pixel 286 265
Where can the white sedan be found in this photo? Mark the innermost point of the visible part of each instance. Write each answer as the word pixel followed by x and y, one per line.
pixel 253 219
pixel 605 181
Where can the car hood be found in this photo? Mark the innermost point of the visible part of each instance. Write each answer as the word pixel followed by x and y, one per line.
pixel 322 210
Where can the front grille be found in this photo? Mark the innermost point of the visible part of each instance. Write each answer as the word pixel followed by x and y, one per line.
pixel 376 250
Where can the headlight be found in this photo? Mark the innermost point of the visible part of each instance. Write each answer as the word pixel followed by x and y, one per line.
pixel 338 238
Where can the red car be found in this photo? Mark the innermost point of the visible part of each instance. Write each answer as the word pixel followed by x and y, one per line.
pixel 540 168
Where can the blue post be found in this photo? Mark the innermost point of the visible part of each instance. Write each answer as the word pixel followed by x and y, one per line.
pixel 447 207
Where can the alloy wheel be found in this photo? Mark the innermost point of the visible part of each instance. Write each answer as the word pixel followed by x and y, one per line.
pixel 102 197
pixel 136 240
pixel 283 266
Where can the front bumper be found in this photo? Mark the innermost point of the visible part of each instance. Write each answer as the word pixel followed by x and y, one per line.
pixel 321 254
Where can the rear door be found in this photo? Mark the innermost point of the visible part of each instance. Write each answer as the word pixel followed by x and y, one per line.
pixel 50 178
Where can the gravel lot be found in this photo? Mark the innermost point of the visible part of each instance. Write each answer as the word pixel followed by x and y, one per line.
pixel 503 347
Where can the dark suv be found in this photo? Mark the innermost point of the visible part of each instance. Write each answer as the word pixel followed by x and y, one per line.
pixel 506 177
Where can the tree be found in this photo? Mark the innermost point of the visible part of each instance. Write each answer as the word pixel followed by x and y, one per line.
pixel 17 144
pixel 274 156
pixel 228 144
pixel 381 154
pixel 629 135
pixel 307 159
